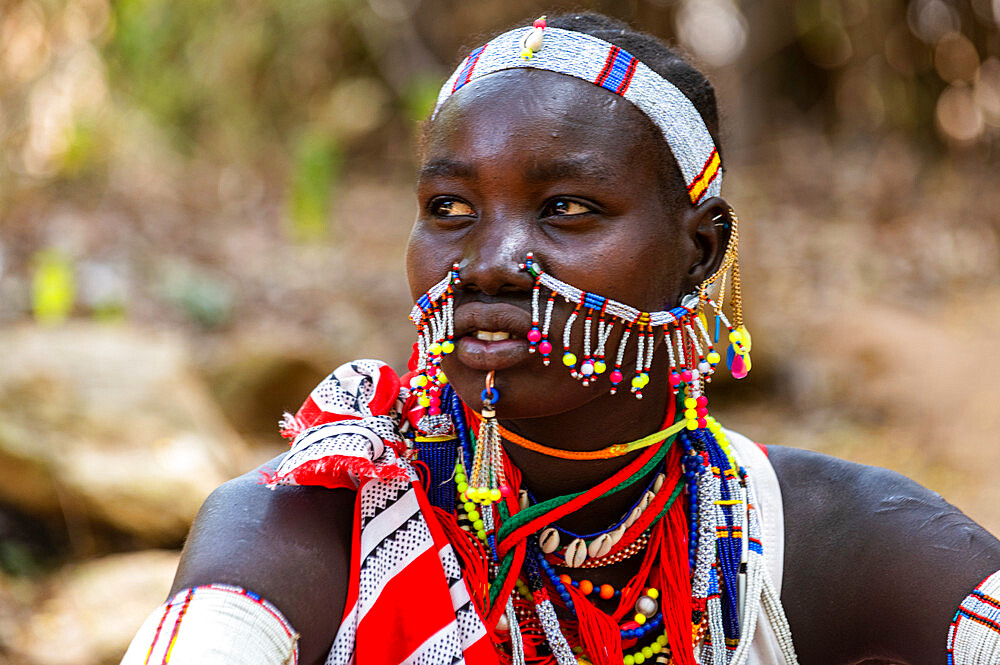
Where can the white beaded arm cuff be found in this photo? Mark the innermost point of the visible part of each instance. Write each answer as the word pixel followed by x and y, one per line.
pixel 974 635
pixel 216 624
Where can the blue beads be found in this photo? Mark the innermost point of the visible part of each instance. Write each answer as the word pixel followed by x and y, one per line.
pixel 644 629
pixel 457 412
pixel 593 301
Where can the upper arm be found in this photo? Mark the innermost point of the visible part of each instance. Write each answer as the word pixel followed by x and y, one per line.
pixel 875 564
pixel 291 545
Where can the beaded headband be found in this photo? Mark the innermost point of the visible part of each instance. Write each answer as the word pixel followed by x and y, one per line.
pixel 591 59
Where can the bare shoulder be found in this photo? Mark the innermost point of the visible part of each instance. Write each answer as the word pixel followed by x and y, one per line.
pixel 291 545
pixel 886 559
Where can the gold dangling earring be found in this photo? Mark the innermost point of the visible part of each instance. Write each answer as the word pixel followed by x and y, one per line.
pixel 488 480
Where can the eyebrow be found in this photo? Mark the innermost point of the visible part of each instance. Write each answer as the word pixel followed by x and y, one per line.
pixel 567 167
pixel 546 171
pixel 447 168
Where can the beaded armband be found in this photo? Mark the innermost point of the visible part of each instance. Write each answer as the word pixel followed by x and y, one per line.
pixel 215 624
pixel 974 635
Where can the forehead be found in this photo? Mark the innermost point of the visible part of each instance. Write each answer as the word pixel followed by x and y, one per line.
pixel 538 112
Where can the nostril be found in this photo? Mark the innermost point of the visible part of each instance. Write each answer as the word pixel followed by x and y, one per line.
pixel 495 277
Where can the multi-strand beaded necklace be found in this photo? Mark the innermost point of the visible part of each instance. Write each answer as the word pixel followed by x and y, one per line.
pixel 686 595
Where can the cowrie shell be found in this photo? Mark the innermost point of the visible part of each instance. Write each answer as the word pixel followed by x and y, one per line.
pixel 658 483
pixel 534 40
pixel 548 540
pixel 576 553
pixel 617 534
pixel 647 498
pixel 522 499
pixel 600 546
pixel 636 512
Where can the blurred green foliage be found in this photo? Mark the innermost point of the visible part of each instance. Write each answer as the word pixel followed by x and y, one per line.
pixel 316 168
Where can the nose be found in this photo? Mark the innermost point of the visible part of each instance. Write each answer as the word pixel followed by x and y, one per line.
pixel 492 254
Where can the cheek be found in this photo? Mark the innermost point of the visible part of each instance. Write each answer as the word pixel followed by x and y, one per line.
pixel 635 263
pixel 426 261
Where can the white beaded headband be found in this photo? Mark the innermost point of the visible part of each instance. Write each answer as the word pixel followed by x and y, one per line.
pixel 586 57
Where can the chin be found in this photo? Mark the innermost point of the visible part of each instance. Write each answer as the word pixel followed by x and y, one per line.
pixel 528 390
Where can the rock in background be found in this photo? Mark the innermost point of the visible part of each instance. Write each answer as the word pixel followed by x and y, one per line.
pixel 108 426
pixel 87 613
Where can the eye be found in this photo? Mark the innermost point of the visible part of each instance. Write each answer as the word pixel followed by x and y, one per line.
pixel 451 207
pixel 565 208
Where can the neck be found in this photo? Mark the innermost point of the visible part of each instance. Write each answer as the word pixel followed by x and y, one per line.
pixel 606 420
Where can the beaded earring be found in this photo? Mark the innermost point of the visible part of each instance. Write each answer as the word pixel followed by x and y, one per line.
pixel 488 480
pixel 691 349
pixel 434 316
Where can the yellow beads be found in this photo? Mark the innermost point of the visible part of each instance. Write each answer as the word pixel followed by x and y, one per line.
pixel 640 656
pixel 745 338
pixel 640 381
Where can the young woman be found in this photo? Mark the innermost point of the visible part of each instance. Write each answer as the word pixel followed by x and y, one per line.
pixel 491 508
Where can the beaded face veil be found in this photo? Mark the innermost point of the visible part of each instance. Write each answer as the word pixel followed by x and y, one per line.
pixel 696 332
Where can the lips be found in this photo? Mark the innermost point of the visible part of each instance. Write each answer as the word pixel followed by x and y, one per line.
pixel 491 335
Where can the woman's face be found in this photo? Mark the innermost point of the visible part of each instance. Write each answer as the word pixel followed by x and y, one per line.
pixel 533 161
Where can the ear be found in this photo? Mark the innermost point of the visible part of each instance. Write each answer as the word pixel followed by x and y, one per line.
pixel 707 226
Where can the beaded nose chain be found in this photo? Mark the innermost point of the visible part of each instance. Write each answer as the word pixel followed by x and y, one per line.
pixel 691 345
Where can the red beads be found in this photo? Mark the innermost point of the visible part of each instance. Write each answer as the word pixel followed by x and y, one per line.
pixel 607 591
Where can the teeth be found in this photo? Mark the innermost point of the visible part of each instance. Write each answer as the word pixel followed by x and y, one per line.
pixel 488 336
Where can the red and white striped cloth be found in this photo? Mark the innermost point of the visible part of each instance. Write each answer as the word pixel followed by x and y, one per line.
pixel 407 601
